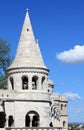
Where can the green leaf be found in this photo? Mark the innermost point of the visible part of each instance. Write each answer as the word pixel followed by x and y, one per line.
pixel 5 60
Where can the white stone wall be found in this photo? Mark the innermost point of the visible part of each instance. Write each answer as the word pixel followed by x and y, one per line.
pixel 22 108
pixel 60 102
pixel 17 75
pixel 9 110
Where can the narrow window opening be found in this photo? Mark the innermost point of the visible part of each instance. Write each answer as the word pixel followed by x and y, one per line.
pixel 10 121
pixel 43 78
pixel 51 124
pixel 48 90
pixel 61 106
pixel 2 119
pixel 12 83
pixel 34 82
pixel 43 81
pixel 35 121
pixel 24 82
pixel 64 123
pixel 27 121
pixel 27 29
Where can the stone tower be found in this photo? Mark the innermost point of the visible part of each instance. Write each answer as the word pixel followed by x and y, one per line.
pixel 29 100
pixel 28 77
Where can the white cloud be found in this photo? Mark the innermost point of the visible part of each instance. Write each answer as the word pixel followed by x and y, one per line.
pixel 72 56
pixel 72 96
pixel 69 95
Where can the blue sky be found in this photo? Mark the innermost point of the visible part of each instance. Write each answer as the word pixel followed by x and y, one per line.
pixel 59 27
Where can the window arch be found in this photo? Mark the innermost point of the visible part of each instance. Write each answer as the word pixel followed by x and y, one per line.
pixel 65 105
pixel 61 106
pixel 64 123
pixel 34 82
pixel 12 82
pixel 24 82
pixel 43 81
pixel 32 119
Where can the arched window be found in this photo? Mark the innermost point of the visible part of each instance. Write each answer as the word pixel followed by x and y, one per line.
pixel 51 124
pixel 34 82
pixel 24 82
pixel 32 119
pixel 61 106
pixel 65 106
pixel 10 121
pixel 27 121
pixel 12 83
pixel 2 119
pixel 43 81
pixel 48 90
pixel 64 123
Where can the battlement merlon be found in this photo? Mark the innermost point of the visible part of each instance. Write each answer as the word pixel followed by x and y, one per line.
pixel 60 98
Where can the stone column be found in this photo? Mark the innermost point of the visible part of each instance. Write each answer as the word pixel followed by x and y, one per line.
pixel 30 82
pixel 9 84
pixel 6 124
pixel 31 118
pixel 17 82
pixel 39 86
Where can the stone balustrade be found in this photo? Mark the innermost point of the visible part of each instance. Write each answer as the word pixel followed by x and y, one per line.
pixel 39 128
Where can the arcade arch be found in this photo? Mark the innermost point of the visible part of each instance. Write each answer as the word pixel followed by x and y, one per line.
pixel 32 119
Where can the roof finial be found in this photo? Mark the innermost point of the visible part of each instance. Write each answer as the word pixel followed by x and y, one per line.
pixel 27 10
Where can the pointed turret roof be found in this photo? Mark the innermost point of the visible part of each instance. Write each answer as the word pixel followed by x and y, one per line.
pixel 28 52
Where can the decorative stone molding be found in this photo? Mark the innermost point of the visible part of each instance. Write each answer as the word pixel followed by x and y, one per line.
pixel 27 70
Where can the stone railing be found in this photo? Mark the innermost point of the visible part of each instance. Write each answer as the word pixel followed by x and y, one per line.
pixel 35 128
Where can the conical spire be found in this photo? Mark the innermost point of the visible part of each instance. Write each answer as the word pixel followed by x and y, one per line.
pixel 28 52
pixel 27 32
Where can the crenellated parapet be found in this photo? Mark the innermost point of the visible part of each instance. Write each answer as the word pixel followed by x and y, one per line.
pixel 50 86
pixel 59 110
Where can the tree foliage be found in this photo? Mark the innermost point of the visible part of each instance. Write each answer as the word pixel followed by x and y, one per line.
pixel 5 61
